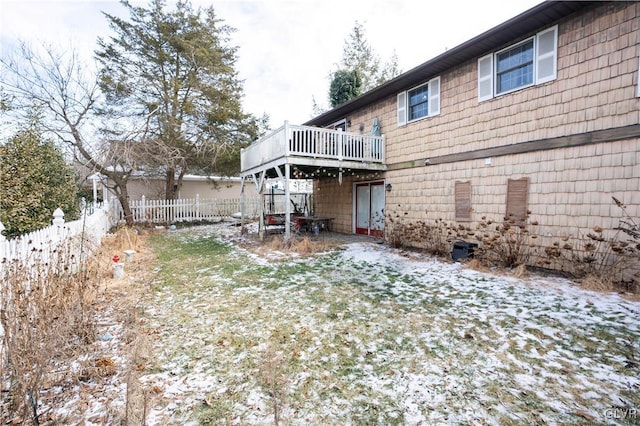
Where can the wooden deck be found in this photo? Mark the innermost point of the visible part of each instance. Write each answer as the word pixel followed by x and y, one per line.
pixel 292 151
pixel 313 146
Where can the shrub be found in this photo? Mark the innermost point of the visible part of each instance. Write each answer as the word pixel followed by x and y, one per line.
pixel 34 181
pixel 604 261
pixel 45 314
pixel 508 244
pixel 435 238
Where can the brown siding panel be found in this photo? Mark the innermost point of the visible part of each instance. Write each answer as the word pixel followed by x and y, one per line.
pixel 463 201
pixel 576 139
pixel 517 199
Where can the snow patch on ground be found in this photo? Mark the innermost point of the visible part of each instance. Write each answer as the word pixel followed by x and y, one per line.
pixel 367 334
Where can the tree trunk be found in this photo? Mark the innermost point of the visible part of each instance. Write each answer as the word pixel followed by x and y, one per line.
pixel 123 198
pixel 178 184
pixel 169 189
pixel 128 216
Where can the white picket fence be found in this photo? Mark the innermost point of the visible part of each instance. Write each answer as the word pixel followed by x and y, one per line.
pixel 188 210
pixel 93 224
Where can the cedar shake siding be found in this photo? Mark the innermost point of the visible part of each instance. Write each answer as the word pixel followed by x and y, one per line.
pixel 537 119
pixel 574 139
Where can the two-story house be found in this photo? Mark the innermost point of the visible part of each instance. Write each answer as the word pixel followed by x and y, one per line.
pixel 538 117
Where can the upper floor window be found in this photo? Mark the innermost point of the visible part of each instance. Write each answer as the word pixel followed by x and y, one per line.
pixel 532 61
pixel 419 102
pixel 514 67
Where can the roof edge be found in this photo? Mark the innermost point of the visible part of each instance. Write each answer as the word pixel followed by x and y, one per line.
pixel 484 42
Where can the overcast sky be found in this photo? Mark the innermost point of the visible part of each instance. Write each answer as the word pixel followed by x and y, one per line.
pixel 287 48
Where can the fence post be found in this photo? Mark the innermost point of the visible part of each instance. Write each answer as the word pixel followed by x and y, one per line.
pixel 197 206
pixel 58 217
pixel 143 213
pixel 242 206
pixel 2 241
pixel 105 192
pixel 56 230
pixel 116 208
pixel 94 181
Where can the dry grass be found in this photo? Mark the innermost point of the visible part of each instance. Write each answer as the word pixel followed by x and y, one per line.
pixel 520 271
pixel 315 326
pixel 302 245
pixel 51 316
pixel 122 296
pixel 598 283
pixel 46 305
pixel 338 339
pixel 476 265
pixel 117 243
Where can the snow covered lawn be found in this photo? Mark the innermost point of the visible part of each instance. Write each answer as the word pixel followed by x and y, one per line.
pixel 366 334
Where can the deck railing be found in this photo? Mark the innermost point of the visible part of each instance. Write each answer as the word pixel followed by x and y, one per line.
pixel 314 142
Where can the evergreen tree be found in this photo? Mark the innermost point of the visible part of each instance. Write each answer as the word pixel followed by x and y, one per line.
pixel 344 86
pixel 174 70
pixel 34 181
pixel 360 70
pixel 390 70
pixel 358 55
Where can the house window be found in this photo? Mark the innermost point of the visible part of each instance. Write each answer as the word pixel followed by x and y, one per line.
pixel 463 201
pixel 530 62
pixel 514 68
pixel 419 102
pixel 339 125
pixel 517 200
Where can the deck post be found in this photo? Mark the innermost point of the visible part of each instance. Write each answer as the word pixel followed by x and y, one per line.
pixel 287 208
pixel 287 142
pixel 260 185
pixel 242 206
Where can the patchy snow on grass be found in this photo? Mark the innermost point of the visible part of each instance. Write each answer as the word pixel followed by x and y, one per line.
pixel 367 334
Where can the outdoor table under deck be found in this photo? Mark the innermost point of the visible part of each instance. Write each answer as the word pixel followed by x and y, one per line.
pixel 308 152
pixel 308 223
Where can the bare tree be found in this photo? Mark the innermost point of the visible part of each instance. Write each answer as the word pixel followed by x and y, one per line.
pixel 66 94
